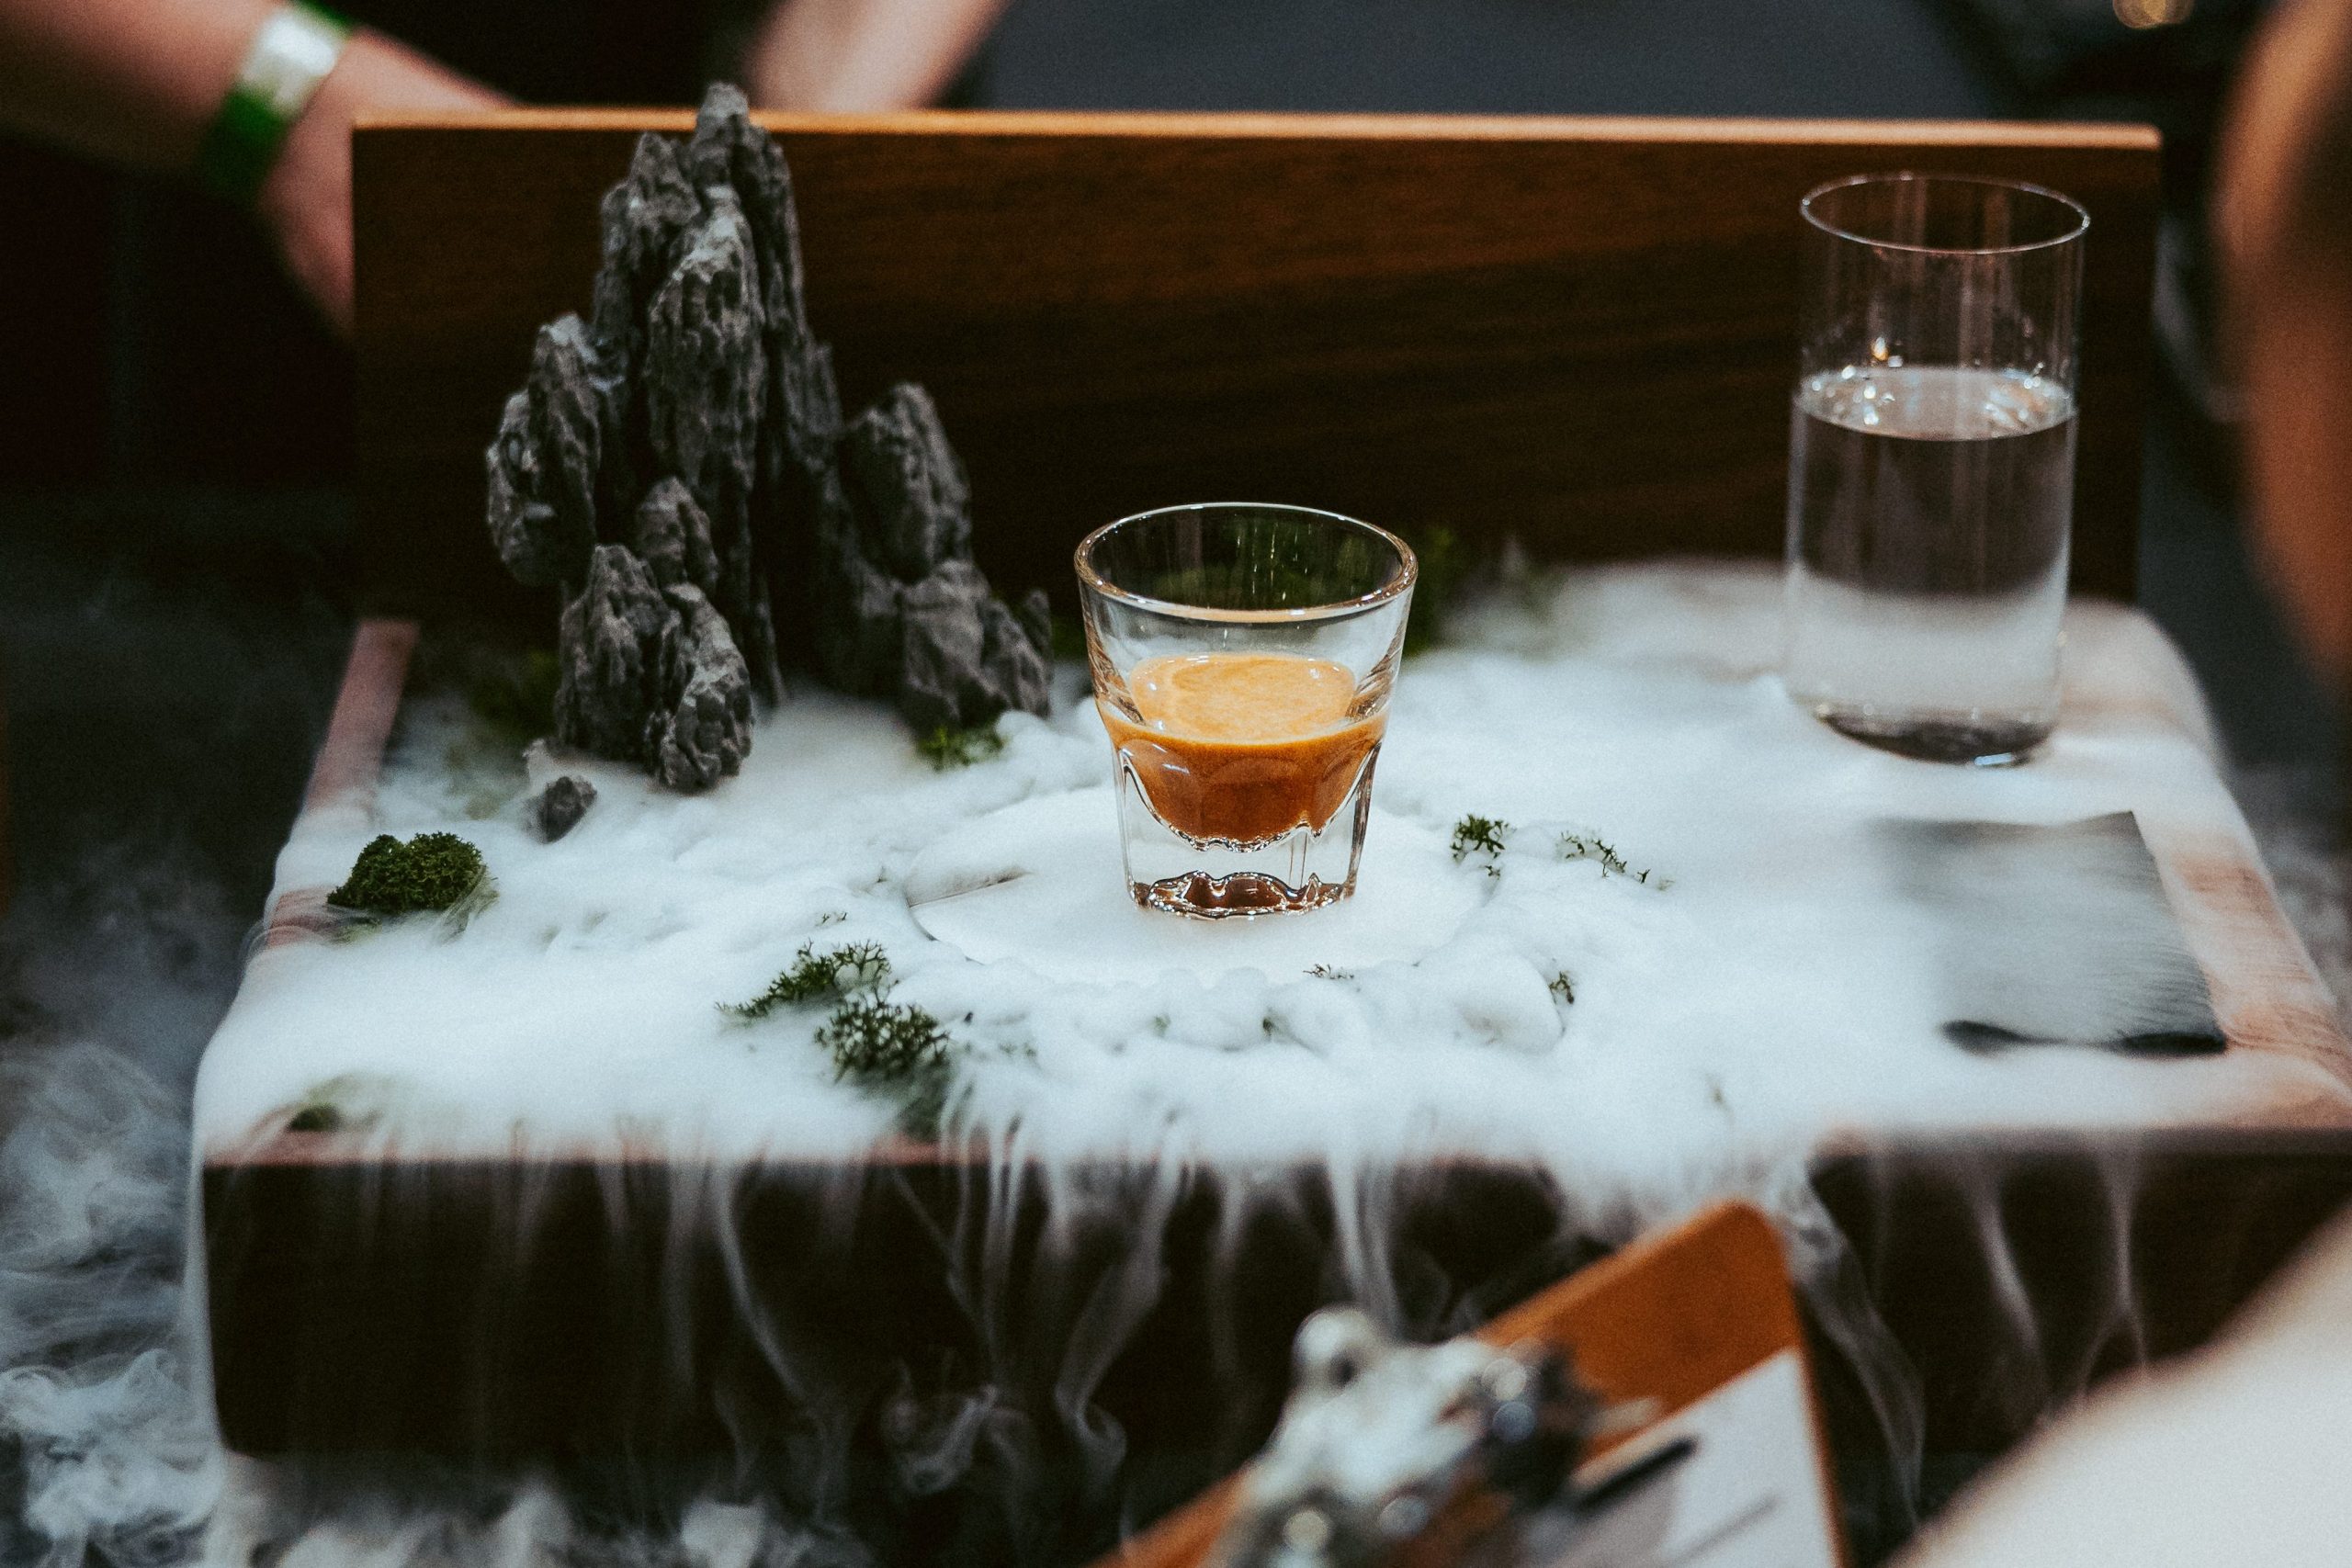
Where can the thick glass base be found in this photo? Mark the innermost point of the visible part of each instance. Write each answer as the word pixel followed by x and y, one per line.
pixel 1217 879
pixel 1241 894
pixel 1981 740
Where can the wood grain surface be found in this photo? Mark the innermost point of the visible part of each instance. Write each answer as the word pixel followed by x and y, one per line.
pixel 1576 332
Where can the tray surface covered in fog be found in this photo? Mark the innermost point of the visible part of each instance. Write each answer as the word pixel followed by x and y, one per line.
pixel 1792 967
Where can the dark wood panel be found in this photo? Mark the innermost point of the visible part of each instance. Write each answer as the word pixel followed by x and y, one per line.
pixel 576 1313
pixel 1578 333
pixel 770 1324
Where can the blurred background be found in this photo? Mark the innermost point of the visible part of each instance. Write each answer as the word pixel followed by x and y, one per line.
pixel 175 452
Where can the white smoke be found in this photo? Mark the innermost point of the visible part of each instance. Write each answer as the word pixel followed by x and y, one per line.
pixel 2297 810
pixel 106 1452
pixel 115 986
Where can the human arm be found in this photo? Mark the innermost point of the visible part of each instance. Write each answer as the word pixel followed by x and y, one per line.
pixel 2284 220
pixel 136 82
pixel 862 56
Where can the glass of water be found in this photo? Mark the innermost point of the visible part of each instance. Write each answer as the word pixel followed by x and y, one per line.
pixel 1931 462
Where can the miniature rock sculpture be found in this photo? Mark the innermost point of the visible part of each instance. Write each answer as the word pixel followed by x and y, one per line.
pixel 679 467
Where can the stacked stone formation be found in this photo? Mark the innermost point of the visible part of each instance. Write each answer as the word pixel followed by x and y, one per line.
pixel 680 468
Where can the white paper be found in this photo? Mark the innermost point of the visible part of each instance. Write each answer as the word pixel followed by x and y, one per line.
pixel 1750 1494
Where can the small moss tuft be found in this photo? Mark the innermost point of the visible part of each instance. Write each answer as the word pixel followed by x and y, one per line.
pixel 860 966
pixel 1476 835
pixel 895 1048
pixel 944 748
pixel 430 871
pixel 1590 846
pixel 877 1043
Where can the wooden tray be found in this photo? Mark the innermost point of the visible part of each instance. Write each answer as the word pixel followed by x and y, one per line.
pixel 331 1327
pixel 1575 332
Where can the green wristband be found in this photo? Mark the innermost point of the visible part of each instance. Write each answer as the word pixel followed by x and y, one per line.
pixel 291 54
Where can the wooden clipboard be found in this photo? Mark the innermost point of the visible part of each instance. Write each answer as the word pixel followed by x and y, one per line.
pixel 1676 1318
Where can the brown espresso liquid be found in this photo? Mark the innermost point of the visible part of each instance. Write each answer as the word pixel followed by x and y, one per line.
pixel 1243 747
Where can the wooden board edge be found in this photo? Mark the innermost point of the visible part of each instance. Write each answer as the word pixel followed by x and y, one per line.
pixel 2297 1128
pixel 2088 135
pixel 1736 1232
pixel 366 707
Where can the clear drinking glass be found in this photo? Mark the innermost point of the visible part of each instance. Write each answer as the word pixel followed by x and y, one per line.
pixel 1931 462
pixel 1243 657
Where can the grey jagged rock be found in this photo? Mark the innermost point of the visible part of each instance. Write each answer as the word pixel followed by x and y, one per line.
pixel 967 658
pixel 701 730
pixel 702 381
pixel 610 647
pixel 641 219
pixel 901 609
pixel 560 805
pixel 673 537
pixel 679 465
pixel 729 149
pixel 912 499
pixel 652 675
pixel 545 465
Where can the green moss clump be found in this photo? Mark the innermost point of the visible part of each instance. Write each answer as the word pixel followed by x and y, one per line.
pixel 878 1042
pixel 883 1047
pixel 944 748
pixel 431 872
pixel 1476 835
pixel 894 1048
pixel 861 965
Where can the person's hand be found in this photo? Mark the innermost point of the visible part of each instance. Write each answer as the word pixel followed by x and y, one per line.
pixel 862 56
pixel 306 201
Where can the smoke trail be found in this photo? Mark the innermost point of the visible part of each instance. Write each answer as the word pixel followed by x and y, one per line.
pixel 107 1454
pixel 2297 813
pixel 114 986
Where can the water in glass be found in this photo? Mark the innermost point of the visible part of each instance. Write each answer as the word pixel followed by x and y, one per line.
pixel 1931 509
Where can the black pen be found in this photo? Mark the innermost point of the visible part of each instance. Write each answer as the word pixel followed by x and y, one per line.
pixel 1603 1495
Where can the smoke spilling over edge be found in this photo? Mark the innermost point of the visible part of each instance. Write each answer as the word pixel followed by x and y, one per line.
pixel 111 978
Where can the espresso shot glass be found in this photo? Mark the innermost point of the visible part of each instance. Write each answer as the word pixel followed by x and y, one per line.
pixel 1243 657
